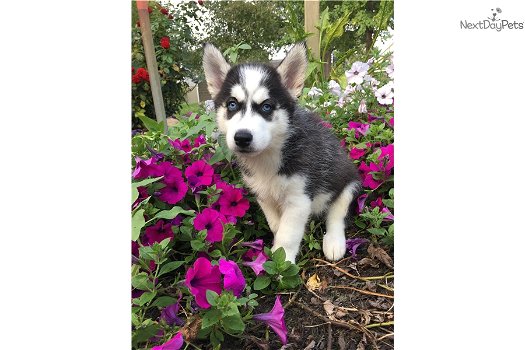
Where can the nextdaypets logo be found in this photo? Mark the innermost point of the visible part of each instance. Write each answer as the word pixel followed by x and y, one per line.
pixel 493 22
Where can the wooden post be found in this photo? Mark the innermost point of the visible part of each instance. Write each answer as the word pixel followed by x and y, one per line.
pixel 151 61
pixel 311 19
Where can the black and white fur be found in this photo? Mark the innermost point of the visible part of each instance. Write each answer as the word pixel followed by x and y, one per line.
pixel 294 165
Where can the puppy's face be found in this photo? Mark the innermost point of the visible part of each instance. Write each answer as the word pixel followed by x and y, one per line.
pixel 254 101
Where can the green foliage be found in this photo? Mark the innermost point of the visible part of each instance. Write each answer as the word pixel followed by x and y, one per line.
pixel 280 274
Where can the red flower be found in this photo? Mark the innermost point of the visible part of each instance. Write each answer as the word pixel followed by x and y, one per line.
pixel 138 23
pixel 150 10
pixel 165 42
pixel 201 2
pixel 170 16
pixel 164 11
pixel 143 74
pixel 136 79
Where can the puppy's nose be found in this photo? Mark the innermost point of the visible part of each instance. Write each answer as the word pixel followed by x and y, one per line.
pixel 243 138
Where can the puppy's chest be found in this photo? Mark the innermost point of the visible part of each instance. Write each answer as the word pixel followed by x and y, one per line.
pixel 267 186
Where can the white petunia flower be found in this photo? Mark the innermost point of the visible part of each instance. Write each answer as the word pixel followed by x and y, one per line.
pixel 334 87
pixel 362 107
pixel 356 73
pixel 385 94
pixel 390 70
pixel 315 92
pixel 327 104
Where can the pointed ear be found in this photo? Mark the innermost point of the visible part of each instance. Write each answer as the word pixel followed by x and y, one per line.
pixel 293 69
pixel 215 68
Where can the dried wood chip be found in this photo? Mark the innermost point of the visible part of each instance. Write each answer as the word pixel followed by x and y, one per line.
pixel 191 329
pixel 341 342
pixel 381 255
pixel 365 316
pixel 365 262
pixel 328 308
pixel 370 286
pixel 313 283
pixel 310 346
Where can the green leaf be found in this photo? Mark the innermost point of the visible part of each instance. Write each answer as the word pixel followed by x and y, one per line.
pixel 164 301
pixel 172 213
pixel 377 231
pixel 136 185
pixel 144 298
pixel 291 271
pixel 279 256
pixel 198 245
pixel 170 267
pixel 142 334
pixel 210 318
pixel 234 324
pixel 151 124
pixel 137 223
pixel 245 47
pixel 211 296
pixel 270 267
pixel 261 282
pixel 141 281
pixel 290 282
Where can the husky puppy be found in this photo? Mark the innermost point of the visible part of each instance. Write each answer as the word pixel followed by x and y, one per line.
pixel 292 163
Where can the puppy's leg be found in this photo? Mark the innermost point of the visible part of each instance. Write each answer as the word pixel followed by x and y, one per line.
pixel 296 212
pixel 334 241
pixel 271 212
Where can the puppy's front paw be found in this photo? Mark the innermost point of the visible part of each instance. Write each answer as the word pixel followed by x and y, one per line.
pixel 334 248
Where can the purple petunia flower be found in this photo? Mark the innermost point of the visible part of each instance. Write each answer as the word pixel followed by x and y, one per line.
pixel 169 315
pixel 145 168
pixel 275 319
pixel 233 278
pixel 199 140
pixel 157 155
pixel 390 216
pixel 157 233
pixel 368 179
pixel 361 202
pixel 174 343
pixel 202 173
pixel 353 243
pixel 233 203
pixel 258 244
pixel 257 263
pixel 143 194
pixel 210 220
pixel 388 153
pixel 181 145
pixel 378 202
pixel 202 276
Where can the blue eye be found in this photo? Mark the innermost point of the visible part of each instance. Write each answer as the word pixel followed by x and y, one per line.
pixel 266 107
pixel 233 106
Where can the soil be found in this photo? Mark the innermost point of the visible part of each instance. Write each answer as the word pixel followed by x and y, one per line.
pixel 358 316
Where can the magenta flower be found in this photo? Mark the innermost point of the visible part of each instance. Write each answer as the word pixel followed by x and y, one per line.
pixel 181 145
pixel 202 276
pixel 361 202
pixel 359 128
pixel 390 216
pixel 233 203
pixel 378 202
pixel 174 191
pixel 368 179
pixel 354 243
pixel 199 140
pixel 143 194
pixel 388 153
pixel 157 233
pixel 201 172
pixel 257 264
pixel 275 319
pixel 356 153
pixel 145 168
pixel 174 343
pixel 391 122
pixel 210 220
pixel 233 278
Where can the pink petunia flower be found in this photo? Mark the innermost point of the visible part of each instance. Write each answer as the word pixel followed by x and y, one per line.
pixel 388 153
pixel 157 233
pixel 210 220
pixel 378 202
pixel 356 153
pixel 275 319
pixel 391 122
pixel 258 244
pixel 200 172
pixel 257 263
pixel 233 203
pixel 174 343
pixel 202 276
pixel 171 173
pixel 143 194
pixel 199 140
pixel 233 278
pixel 359 128
pixel 390 216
